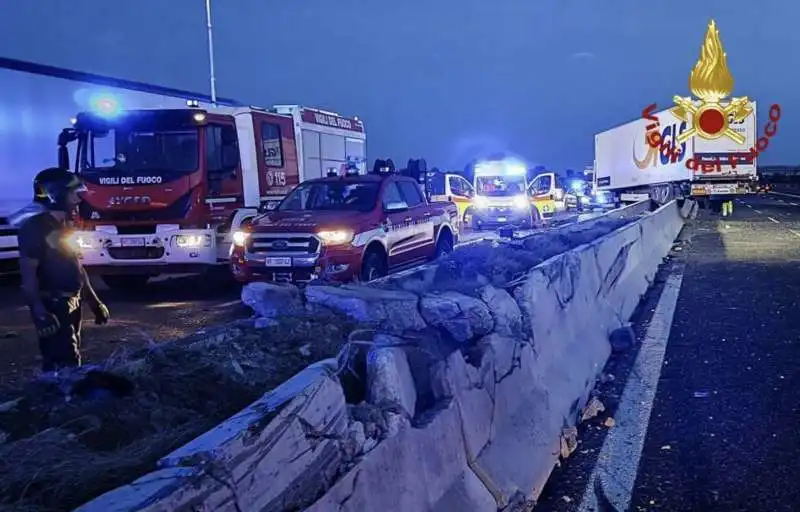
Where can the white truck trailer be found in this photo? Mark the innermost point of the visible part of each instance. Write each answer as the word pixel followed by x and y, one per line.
pixel 36 103
pixel 627 165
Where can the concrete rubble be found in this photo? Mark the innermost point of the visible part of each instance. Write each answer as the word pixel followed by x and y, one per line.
pixel 446 400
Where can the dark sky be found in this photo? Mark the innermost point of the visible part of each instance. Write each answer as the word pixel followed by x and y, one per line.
pixel 441 79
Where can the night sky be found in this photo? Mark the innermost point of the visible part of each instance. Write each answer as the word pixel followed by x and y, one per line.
pixel 447 80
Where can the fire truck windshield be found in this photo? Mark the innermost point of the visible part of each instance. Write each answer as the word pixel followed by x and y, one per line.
pixel 134 151
pixel 500 186
pixel 332 196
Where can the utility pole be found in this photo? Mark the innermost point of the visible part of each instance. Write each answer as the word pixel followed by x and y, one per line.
pixel 211 55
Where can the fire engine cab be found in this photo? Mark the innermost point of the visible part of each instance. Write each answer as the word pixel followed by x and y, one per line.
pixel 168 187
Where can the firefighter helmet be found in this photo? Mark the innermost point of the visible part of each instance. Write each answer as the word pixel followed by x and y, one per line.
pixel 52 186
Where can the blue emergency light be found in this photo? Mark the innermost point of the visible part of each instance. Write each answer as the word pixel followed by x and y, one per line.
pixel 105 105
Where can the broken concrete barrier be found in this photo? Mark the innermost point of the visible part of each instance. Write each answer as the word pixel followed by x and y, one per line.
pixel 470 399
pixel 390 310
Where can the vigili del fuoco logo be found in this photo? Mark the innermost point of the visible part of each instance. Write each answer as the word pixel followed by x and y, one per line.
pixel 708 114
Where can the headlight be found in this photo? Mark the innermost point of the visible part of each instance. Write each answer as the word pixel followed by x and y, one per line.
pixel 191 241
pixel 336 237
pixel 240 238
pixel 521 202
pixel 83 242
pixel 480 202
pixel 80 242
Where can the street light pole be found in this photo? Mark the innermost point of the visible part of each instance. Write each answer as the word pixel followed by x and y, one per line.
pixel 211 55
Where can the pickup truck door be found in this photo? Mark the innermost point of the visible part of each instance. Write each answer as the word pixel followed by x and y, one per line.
pixel 421 241
pixel 397 223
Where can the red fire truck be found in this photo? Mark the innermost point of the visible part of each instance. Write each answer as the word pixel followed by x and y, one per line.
pixel 168 187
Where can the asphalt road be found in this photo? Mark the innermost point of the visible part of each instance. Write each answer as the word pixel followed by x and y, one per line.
pixel 706 414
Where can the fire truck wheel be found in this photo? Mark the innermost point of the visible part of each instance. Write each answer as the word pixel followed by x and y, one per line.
pixel 125 282
pixel 373 266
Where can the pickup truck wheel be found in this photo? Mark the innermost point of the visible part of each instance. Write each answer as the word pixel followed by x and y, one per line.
pixel 444 246
pixel 373 267
pixel 126 282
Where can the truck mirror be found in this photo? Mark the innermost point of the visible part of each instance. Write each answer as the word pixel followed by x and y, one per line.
pixel 66 136
pixel 63 157
pixel 267 206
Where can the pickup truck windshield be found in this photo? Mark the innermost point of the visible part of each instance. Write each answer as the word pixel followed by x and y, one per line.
pixel 141 151
pixel 331 196
pixel 500 186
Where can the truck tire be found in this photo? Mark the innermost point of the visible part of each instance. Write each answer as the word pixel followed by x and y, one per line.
pixel 444 245
pixel 373 267
pixel 475 224
pixel 536 218
pixel 126 282
pixel 467 219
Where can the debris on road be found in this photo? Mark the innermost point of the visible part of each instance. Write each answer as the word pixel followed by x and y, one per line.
pixel 592 409
pixel 609 422
pixel 569 441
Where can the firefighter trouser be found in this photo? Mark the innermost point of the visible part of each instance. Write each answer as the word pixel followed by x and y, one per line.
pixel 62 349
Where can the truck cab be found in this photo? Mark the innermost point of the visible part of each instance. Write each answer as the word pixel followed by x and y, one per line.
pixel 343 228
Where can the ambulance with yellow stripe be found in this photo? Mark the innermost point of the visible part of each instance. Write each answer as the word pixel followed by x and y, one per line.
pixel 503 195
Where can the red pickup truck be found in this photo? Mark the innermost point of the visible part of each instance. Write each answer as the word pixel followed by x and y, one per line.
pixel 342 228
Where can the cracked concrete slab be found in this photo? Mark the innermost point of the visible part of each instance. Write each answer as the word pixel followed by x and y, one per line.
pixel 411 471
pixel 392 310
pixel 462 316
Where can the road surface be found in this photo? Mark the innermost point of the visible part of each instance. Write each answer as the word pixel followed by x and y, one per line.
pixel 707 416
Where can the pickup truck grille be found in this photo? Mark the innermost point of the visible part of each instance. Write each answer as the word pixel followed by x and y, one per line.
pixel 268 243
pixel 135 253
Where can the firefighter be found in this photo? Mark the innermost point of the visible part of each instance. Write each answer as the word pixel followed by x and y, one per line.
pixel 53 280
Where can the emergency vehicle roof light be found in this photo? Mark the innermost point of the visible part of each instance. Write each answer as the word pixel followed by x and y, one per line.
pixel 509 167
pixel 105 105
pixel 332 173
pixel 192 103
pixel 516 169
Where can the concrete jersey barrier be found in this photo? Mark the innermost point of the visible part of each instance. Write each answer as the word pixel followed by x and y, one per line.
pixel 468 397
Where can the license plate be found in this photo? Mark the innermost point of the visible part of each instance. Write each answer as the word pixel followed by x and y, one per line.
pixel 501 219
pixel 133 242
pixel 278 262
